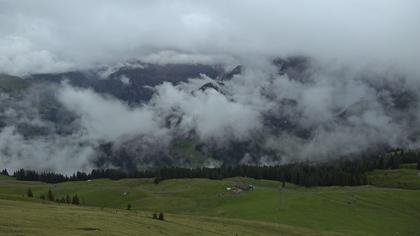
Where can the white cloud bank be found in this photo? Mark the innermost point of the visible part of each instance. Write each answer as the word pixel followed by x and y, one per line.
pixel 355 43
pixel 47 35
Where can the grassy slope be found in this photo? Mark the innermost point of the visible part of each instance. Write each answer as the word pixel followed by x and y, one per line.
pixel 32 218
pixel 186 148
pixel 12 84
pixel 407 178
pixel 364 210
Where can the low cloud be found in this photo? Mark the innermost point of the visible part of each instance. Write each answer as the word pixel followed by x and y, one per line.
pixel 329 113
pixel 359 90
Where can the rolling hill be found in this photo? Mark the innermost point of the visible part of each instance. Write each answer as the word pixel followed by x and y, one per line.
pixel 200 206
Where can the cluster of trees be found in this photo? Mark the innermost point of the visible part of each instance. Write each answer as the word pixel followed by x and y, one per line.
pixel 4 172
pixel 48 177
pixel 158 217
pixel 51 177
pixel 301 173
pixel 50 197
pixel 345 172
pixel 349 171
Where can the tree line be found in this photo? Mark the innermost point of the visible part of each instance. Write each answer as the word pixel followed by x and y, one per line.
pixel 50 197
pixel 345 171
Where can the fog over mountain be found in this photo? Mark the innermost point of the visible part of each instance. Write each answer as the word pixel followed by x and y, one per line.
pixel 135 84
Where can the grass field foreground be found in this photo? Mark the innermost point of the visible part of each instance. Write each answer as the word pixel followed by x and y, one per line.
pixel 361 210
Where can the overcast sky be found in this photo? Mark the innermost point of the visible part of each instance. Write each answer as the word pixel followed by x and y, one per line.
pixel 50 35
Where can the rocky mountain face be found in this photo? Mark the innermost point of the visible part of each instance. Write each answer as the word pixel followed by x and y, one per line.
pixel 132 83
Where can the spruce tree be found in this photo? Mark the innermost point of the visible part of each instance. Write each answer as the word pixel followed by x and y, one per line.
pixel 50 195
pixel 68 199
pixel 29 193
pixel 75 200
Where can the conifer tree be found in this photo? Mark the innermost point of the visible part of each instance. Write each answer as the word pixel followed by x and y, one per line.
pixel 29 193
pixel 75 200
pixel 68 199
pixel 4 172
pixel 50 195
pixel 161 216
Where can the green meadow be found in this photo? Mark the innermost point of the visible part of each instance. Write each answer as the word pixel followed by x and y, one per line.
pixel 389 206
